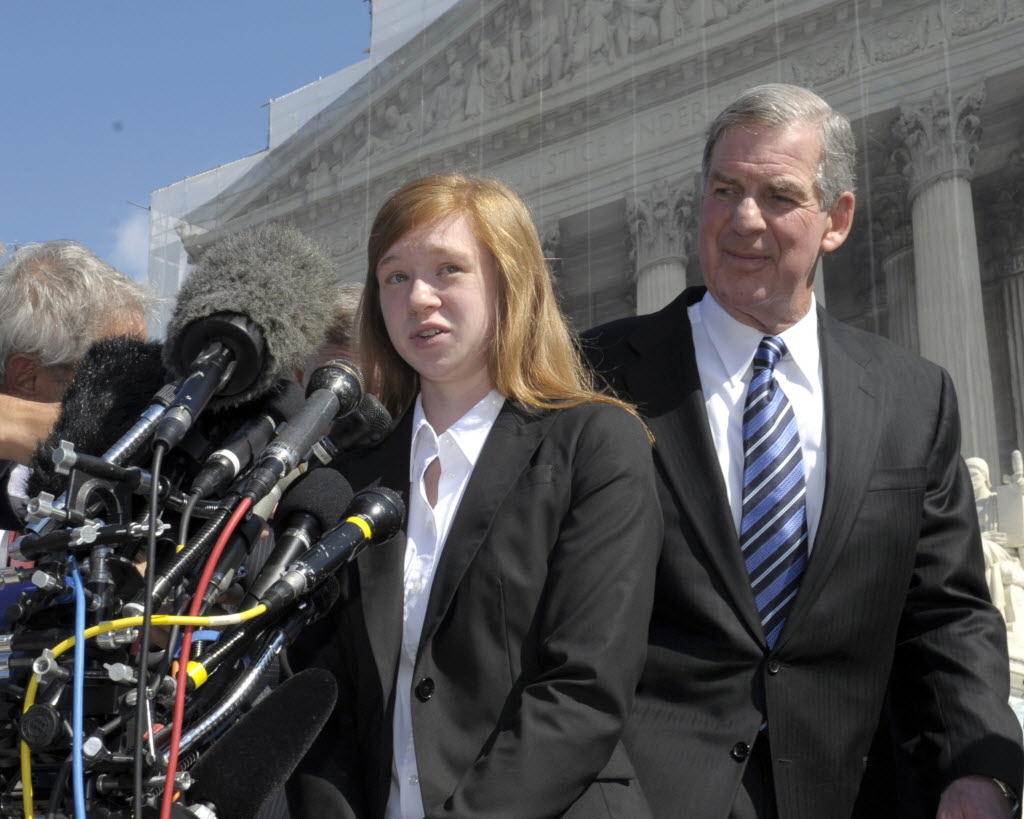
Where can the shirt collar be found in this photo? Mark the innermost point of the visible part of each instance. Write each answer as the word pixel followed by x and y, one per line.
pixel 469 433
pixel 736 342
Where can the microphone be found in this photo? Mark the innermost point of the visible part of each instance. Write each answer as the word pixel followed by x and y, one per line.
pixel 258 304
pixel 256 755
pixel 334 389
pixel 240 449
pixel 310 507
pixel 368 425
pixel 117 394
pixel 375 516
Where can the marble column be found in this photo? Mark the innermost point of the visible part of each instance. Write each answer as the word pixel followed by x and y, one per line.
pixel 1008 230
pixel 894 237
pixel 939 139
pixel 659 222
pixel 1013 299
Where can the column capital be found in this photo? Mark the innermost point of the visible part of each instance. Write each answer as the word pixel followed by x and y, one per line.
pixel 660 219
pixel 938 137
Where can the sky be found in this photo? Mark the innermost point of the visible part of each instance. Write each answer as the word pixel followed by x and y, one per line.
pixel 105 101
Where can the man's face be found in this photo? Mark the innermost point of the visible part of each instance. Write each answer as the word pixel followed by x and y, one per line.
pixel 27 378
pixel 762 227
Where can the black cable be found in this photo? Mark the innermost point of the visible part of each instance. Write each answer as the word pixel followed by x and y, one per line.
pixel 57 793
pixel 186 517
pixel 142 692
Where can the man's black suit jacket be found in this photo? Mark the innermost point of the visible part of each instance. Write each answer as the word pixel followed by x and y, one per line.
pixel 893 606
pixel 533 640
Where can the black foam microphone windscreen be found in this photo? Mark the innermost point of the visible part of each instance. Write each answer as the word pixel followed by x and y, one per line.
pixel 274 278
pixel 311 506
pixel 254 757
pixel 114 382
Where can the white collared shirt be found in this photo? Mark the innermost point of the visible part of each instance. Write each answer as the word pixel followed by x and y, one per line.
pixel 458 449
pixel 725 360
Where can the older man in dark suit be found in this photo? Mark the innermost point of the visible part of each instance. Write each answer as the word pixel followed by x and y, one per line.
pixel 822 565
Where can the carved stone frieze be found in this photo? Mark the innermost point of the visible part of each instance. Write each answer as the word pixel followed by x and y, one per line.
pixel 825 64
pixel 659 221
pixel 938 138
pixel 965 17
pixel 901 36
pixel 718 11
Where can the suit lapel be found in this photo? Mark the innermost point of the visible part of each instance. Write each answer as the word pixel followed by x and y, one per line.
pixel 505 455
pixel 381 568
pixel 675 411
pixel 853 406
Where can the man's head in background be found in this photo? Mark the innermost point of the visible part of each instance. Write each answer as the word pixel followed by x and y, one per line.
pixel 57 298
pixel 342 339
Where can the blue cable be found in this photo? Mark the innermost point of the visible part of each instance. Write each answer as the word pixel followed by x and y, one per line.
pixel 78 693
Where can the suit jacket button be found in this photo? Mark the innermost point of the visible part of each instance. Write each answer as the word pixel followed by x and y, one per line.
pixel 740 751
pixel 424 689
pixel 774 666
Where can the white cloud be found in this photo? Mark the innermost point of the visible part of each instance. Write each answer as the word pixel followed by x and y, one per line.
pixel 131 246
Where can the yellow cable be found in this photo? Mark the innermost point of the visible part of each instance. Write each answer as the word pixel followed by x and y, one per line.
pixel 102 628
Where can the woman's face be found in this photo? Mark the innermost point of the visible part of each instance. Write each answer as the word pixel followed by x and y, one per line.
pixel 438 298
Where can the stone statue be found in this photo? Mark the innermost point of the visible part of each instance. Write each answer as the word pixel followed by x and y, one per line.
pixel 1016 478
pixel 1004 571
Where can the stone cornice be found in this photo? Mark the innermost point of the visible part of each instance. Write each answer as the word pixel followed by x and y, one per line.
pixel 362 148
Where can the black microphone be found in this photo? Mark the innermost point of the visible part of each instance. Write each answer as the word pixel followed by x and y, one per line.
pixel 258 305
pixel 334 389
pixel 256 755
pixel 368 425
pixel 311 506
pixel 241 448
pixel 114 382
pixel 375 516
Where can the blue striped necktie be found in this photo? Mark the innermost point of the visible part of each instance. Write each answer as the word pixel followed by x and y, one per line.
pixel 773 528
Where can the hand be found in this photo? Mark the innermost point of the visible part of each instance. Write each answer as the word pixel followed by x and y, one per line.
pixel 23 424
pixel 973 797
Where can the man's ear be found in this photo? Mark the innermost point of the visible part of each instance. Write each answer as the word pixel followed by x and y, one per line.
pixel 21 376
pixel 840 220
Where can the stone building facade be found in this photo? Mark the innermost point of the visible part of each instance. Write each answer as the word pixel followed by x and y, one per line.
pixel 595 111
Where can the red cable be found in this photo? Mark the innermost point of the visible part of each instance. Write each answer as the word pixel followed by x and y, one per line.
pixel 186 646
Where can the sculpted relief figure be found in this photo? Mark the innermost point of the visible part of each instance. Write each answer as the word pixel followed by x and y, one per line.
pixel 1003 568
pixel 592 35
pixel 318 172
pixel 541 48
pixel 638 27
pixel 449 103
pixel 489 84
pixel 395 129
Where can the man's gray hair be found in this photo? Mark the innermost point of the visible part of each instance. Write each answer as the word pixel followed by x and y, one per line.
pixel 778 105
pixel 56 298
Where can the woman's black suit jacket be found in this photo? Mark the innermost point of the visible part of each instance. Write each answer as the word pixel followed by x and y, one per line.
pixel 534 637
